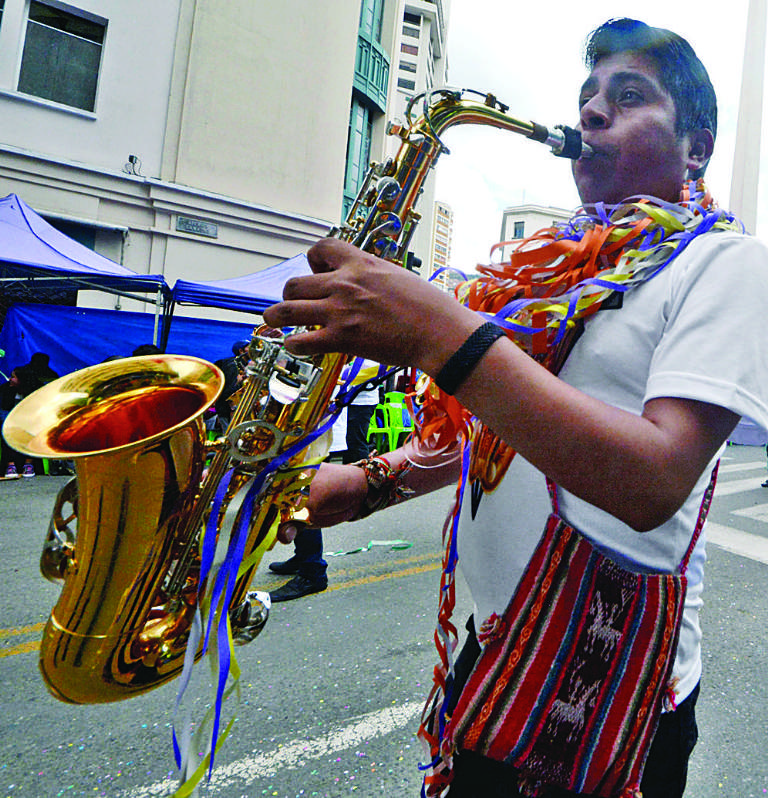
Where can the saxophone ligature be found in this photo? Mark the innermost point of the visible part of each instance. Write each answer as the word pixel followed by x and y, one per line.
pixel 125 536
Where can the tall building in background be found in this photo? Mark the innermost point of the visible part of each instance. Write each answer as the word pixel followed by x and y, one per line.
pixel 368 112
pixel 419 63
pixel 400 53
pixel 441 239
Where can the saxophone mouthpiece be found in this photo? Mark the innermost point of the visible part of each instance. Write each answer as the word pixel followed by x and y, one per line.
pixel 564 141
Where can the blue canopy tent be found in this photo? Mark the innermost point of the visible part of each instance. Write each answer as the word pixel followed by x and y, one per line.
pixel 79 337
pixel 252 293
pixel 37 259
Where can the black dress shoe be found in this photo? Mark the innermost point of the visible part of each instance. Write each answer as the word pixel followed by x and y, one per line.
pixel 285 567
pixel 298 586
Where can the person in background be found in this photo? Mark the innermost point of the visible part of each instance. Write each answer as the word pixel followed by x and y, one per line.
pixel 12 463
pixel 233 368
pixel 29 377
pixel 146 349
pixel 35 374
pixel 359 414
pixel 307 565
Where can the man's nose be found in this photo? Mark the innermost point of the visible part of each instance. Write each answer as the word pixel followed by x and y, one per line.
pixel 594 115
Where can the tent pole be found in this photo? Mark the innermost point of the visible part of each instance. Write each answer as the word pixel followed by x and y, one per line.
pixel 157 315
pixel 168 307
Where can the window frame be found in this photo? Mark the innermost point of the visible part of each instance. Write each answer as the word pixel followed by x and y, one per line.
pixel 23 89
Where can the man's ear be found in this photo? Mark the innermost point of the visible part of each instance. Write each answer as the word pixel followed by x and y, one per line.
pixel 701 144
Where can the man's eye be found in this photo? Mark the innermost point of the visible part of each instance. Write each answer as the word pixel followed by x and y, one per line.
pixel 583 101
pixel 630 96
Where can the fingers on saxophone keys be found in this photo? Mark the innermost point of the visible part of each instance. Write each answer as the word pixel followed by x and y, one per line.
pixel 311 286
pixel 311 342
pixel 329 253
pixel 294 313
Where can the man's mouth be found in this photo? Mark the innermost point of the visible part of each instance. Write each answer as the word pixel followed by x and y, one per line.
pixel 588 151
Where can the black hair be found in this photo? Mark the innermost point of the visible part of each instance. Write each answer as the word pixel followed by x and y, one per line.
pixel 147 349
pixel 680 71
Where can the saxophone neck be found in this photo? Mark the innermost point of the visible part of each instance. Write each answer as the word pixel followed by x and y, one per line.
pixel 383 219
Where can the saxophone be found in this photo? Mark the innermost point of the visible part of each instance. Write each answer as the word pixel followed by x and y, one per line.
pixel 149 482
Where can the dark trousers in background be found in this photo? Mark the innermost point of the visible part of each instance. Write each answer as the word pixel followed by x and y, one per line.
pixel 308 550
pixel 308 543
pixel 666 770
pixel 358 419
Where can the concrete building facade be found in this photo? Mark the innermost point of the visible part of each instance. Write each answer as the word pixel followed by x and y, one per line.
pixel 441 239
pixel 204 140
pixel 520 221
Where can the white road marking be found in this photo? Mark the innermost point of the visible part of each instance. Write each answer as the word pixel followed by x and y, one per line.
pixel 759 512
pixel 727 468
pixel 727 487
pixel 295 753
pixel 754 547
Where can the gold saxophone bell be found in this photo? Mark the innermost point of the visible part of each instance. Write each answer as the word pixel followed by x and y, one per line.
pixel 146 478
pixel 134 430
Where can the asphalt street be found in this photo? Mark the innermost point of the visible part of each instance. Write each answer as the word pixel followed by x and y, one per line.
pixel 333 688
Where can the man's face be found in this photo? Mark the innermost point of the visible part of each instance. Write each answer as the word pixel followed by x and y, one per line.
pixel 628 119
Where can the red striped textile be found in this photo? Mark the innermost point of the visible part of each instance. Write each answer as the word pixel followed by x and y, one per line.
pixel 570 686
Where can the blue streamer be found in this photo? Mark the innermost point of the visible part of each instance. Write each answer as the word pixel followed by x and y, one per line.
pixel 226 577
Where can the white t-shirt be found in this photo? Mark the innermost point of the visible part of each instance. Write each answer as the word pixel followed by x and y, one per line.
pixel 368 370
pixel 693 331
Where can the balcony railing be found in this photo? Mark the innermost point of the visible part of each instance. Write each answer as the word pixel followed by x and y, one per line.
pixel 372 71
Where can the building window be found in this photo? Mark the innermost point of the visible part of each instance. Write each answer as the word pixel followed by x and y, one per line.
pixel 404 83
pixel 407 66
pixel 371 16
pixel 358 151
pixel 519 230
pixel 61 57
pixel 409 49
pixel 414 33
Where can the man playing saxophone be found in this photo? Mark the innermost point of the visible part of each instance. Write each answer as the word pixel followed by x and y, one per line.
pixel 628 429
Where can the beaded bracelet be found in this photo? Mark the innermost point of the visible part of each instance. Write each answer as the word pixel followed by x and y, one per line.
pixel 385 485
pixel 465 358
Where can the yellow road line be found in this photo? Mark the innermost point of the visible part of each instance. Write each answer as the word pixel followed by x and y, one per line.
pixel 22 648
pixel 368 580
pixel 21 630
pixel 433 565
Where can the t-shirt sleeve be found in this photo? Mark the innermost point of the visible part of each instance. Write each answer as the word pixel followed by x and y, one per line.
pixel 714 348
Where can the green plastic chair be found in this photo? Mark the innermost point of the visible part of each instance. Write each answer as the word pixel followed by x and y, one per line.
pixel 378 429
pixel 390 423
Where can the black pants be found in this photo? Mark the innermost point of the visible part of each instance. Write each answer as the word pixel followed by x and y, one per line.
pixel 666 769
pixel 358 417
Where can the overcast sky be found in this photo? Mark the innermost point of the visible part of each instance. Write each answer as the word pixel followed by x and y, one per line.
pixel 530 56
